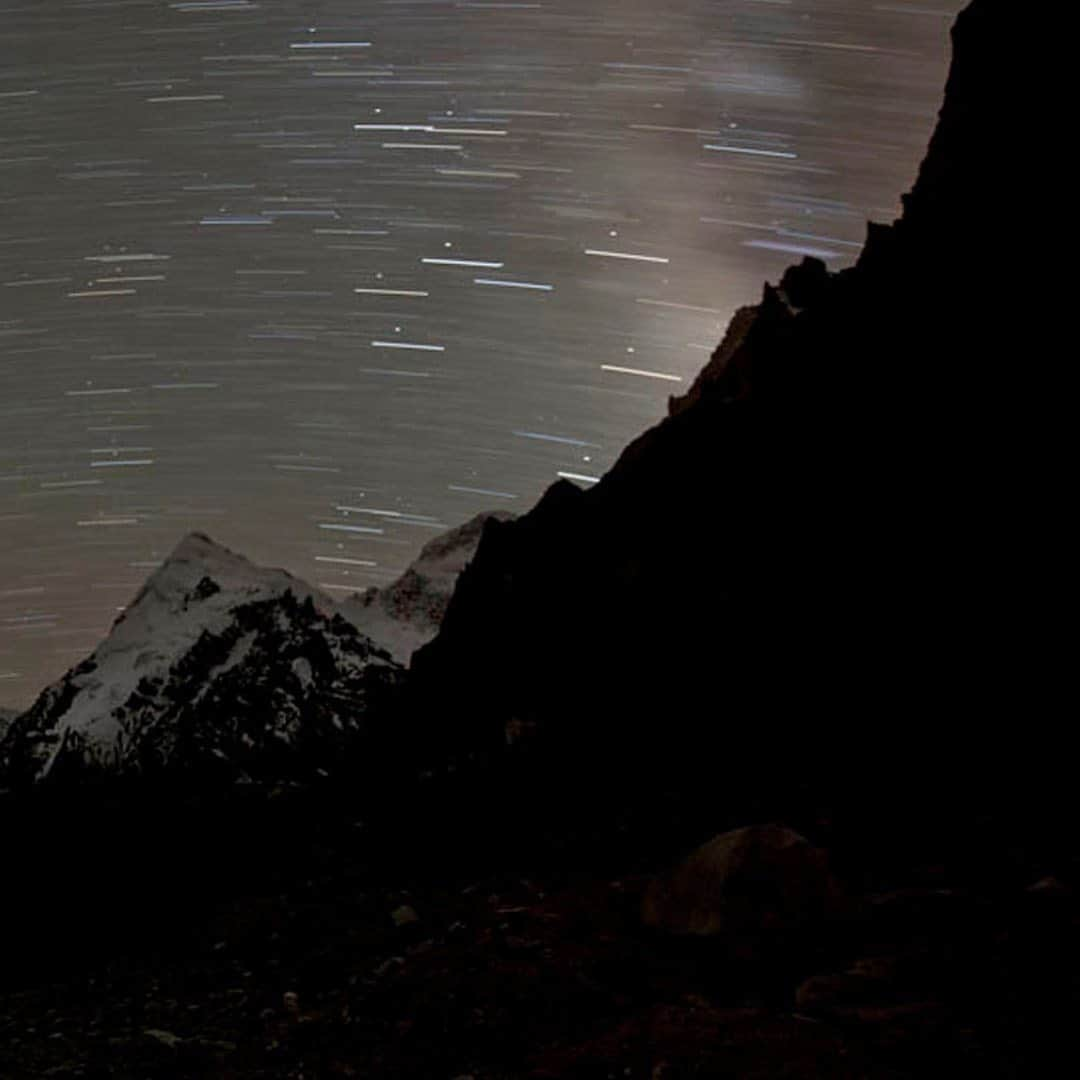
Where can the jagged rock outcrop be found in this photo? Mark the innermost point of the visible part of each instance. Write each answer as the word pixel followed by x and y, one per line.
pixel 729 371
pixel 840 548
pixel 407 613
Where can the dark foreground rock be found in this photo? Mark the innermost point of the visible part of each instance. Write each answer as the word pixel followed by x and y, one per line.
pixel 746 884
pixel 291 937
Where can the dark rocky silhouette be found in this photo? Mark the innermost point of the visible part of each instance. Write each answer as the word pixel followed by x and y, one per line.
pixel 838 558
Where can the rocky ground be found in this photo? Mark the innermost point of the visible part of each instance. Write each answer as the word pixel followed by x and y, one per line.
pixel 295 942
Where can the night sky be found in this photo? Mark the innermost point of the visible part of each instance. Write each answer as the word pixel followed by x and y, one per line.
pixel 269 268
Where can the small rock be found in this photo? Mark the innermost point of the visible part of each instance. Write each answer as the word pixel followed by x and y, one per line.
pixel 836 993
pixel 883 968
pixel 404 915
pixel 386 965
pixel 913 1015
pixel 921 904
pixel 166 1038
pixel 221 1045
pixel 1048 886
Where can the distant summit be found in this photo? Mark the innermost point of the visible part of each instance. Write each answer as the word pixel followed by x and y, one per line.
pixel 408 613
pixel 222 667
pixel 216 665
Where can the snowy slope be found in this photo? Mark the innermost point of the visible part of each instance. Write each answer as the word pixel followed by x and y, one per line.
pixel 405 615
pixel 7 718
pixel 216 660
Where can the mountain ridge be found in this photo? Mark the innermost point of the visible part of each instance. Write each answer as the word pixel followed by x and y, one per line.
pixel 407 613
pixel 771 550
pixel 185 674
pixel 217 661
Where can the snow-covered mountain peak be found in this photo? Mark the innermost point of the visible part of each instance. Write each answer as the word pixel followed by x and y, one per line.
pixel 199 569
pixel 219 661
pixel 211 644
pixel 195 589
pixel 197 552
pixel 407 613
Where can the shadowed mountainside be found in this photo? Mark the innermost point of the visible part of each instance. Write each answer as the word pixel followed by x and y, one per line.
pixel 839 554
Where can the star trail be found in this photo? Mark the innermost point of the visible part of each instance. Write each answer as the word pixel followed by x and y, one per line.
pixel 319 278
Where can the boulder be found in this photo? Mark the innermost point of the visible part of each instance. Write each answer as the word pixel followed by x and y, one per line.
pixel 838 994
pixel 760 880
